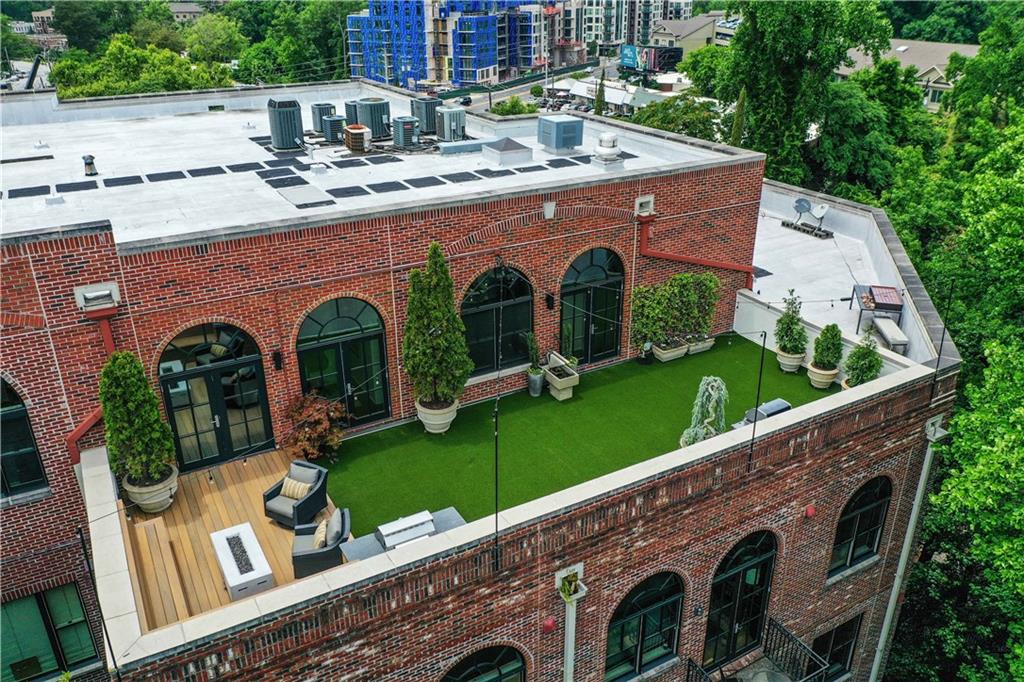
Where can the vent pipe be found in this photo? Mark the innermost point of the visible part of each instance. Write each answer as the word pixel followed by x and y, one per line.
pixel 90 165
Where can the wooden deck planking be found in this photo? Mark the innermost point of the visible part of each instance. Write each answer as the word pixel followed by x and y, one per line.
pixel 202 506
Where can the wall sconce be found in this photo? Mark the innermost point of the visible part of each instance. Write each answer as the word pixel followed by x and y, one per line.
pixel 278 359
pixel 549 301
pixel 549 210
pixel 698 611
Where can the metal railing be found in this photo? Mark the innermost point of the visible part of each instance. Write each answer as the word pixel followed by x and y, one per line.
pixel 695 673
pixel 790 655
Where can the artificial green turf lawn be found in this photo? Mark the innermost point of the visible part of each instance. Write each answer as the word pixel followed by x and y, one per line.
pixel 617 416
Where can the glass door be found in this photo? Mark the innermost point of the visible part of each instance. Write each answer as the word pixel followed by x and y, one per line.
pixel 605 319
pixel 739 603
pixel 193 420
pixel 244 423
pixel 576 323
pixel 365 374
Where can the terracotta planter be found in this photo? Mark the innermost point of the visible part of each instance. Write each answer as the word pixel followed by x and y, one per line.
pixel 702 345
pixel 790 362
pixel 821 378
pixel 153 498
pixel 671 353
pixel 437 421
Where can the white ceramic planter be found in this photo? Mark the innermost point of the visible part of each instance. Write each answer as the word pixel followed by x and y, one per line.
pixel 821 378
pixel 701 346
pixel 666 354
pixel 790 362
pixel 560 387
pixel 153 498
pixel 437 421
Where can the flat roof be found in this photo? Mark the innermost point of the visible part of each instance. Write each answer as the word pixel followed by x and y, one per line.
pixel 167 172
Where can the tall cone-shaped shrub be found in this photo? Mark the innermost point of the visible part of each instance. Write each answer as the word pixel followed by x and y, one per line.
pixel 139 442
pixel 434 350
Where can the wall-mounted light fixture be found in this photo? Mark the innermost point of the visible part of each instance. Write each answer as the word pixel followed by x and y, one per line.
pixel 97 296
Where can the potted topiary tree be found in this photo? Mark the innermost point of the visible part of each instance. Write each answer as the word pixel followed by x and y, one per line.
pixel 646 321
pixel 705 301
pixel 534 375
pixel 864 363
pixel 828 353
pixel 139 442
pixel 434 349
pixel 708 416
pixel 790 335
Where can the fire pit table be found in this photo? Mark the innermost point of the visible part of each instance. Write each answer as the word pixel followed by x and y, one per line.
pixel 242 562
pixel 874 298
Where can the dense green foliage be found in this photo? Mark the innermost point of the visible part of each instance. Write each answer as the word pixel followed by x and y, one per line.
pixel 683 114
pixel 21 10
pixel 790 333
pixel 947 21
pixel 599 97
pixel 15 45
pixel 680 308
pixel 434 349
pixel 863 364
pixel 214 38
pixel 139 442
pixel 125 68
pixel 537 90
pixel 513 106
pixel 828 348
pixel 707 417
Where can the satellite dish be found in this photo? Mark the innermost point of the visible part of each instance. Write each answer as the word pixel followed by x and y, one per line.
pixel 802 205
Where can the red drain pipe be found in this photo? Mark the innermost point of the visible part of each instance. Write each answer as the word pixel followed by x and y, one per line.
pixel 102 317
pixel 647 222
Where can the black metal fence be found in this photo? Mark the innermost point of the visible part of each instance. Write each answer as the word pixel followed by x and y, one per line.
pixel 695 673
pixel 790 655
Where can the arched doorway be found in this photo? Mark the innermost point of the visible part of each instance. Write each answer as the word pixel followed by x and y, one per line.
pixel 342 357
pixel 493 664
pixel 500 301
pixel 211 377
pixel 645 627
pixel 592 306
pixel 739 599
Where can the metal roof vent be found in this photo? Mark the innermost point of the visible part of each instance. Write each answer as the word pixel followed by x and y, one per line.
pixel 406 132
pixel 375 112
pixel 607 149
pixel 425 109
pixel 90 165
pixel 321 109
pixel 506 152
pixel 451 123
pixel 285 123
pixel 97 296
pixel 333 128
pixel 559 134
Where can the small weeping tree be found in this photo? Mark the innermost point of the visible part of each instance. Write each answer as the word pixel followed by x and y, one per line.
pixel 708 417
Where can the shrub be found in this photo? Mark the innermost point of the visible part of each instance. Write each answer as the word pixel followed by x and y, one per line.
pixel 647 320
pixel 513 106
pixel 537 91
pixel 434 350
pixel 705 302
pixel 534 353
pixel 708 416
pixel 681 304
pixel 790 334
pixel 828 348
pixel 316 427
pixel 864 363
pixel 139 442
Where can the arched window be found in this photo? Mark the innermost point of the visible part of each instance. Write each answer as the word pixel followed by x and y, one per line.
pixel 645 627
pixel 592 306
pixel 739 599
pixel 494 664
pixel 503 298
pixel 211 376
pixel 21 470
pixel 860 526
pixel 342 357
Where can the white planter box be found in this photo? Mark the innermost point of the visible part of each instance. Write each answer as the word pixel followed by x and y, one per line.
pixel 560 387
pixel 666 354
pixel 701 346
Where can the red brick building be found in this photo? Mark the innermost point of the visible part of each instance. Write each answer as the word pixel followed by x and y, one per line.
pixel 200 241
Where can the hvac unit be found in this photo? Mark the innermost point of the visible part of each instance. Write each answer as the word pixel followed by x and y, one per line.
pixel 559 134
pixel 357 138
pixel 451 123
pixel 406 131
pixel 351 112
pixel 375 113
pixel 285 123
pixel 425 109
pixel 334 128
pixel 320 110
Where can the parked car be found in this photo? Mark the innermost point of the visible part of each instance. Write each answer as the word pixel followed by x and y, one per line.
pixel 465 101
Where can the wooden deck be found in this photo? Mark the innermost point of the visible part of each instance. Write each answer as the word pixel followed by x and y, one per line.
pixel 176 573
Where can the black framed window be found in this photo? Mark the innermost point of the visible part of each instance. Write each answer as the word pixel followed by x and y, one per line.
pixel 500 301
pixel 206 344
pixel 837 646
pixel 494 664
pixel 859 530
pixel 44 633
pixel 21 470
pixel 645 627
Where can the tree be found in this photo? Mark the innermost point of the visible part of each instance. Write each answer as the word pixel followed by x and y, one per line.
pixel 785 55
pixel 599 97
pixel 139 442
pixel 706 68
pixel 21 10
pixel 739 119
pixel 434 349
pixel 683 114
pixel 707 418
pixel 897 91
pixel 987 83
pixel 254 19
pixel 88 23
pixel 15 45
pixel 949 21
pixel 214 38
pixel 537 91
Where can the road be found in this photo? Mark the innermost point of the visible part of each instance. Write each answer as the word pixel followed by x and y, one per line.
pixel 521 91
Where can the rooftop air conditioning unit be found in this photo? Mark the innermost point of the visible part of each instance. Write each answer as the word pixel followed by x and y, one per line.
pixel 357 138
pixel 406 131
pixel 559 134
pixel 320 110
pixel 451 123
pixel 285 123
pixel 351 112
pixel 375 113
pixel 425 109
pixel 334 128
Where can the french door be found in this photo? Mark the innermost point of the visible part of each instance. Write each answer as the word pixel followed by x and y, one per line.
pixel 217 412
pixel 591 321
pixel 739 604
pixel 353 371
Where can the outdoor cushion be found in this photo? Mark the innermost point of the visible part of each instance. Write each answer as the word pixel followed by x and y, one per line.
pixel 320 536
pixel 281 505
pixel 217 350
pixel 294 489
pixel 303 543
pixel 302 474
pixel 334 528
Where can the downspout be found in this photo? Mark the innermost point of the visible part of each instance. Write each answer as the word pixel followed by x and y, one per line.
pixel 102 318
pixel 935 433
pixel 647 223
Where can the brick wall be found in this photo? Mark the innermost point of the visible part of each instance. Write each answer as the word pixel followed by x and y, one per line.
pixel 418 622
